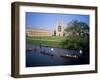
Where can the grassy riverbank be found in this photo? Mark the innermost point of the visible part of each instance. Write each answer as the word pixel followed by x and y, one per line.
pixel 69 42
pixel 52 41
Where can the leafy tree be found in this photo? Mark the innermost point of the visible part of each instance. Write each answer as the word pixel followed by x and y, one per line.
pixel 76 27
pixel 78 37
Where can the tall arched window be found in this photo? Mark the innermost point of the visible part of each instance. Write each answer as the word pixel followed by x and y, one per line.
pixel 59 28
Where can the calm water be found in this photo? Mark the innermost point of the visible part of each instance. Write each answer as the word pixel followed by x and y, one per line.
pixel 53 57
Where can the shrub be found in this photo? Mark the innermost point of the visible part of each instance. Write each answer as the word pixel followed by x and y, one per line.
pixel 76 43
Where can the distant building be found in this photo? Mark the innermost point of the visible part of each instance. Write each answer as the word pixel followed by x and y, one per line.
pixel 59 31
pixel 60 28
pixel 31 32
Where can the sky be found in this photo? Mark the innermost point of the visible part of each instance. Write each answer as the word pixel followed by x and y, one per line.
pixel 48 21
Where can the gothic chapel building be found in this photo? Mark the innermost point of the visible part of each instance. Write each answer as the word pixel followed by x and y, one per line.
pixel 60 28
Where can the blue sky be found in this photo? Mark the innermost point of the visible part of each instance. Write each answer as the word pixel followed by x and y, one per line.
pixel 48 21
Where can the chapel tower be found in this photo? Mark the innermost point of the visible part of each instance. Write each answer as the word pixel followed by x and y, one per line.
pixel 59 28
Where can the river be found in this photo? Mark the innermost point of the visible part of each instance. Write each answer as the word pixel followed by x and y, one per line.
pixel 47 56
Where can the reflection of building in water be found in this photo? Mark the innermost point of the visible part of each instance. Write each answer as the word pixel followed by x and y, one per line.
pixel 31 32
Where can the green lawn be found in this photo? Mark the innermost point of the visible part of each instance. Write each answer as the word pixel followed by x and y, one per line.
pixel 69 42
pixel 52 41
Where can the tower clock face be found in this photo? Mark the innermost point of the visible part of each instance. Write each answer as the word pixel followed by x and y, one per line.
pixel 59 28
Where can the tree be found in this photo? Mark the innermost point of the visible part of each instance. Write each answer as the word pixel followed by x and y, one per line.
pixel 76 27
pixel 78 38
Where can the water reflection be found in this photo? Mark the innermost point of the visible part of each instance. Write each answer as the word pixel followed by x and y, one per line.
pixel 47 56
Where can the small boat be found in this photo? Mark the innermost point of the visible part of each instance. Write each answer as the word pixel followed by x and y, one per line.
pixel 70 56
pixel 46 53
pixel 34 49
pixel 29 49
